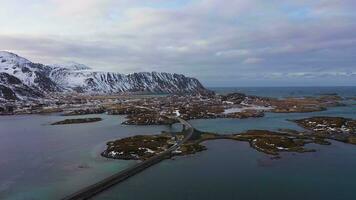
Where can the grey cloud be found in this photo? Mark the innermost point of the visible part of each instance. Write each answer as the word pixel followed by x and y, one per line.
pixel 212 40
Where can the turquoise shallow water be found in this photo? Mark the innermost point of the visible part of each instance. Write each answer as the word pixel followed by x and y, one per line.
pixel 39 161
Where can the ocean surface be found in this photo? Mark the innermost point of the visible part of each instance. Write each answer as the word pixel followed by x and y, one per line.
pixel 279 92
pixel 40 161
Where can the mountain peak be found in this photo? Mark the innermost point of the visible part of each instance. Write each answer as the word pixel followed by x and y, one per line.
pixel 72 66
pixel 8 57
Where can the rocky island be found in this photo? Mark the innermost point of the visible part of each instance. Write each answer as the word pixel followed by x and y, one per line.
pixel 149 111
pixel 336 128
pixel 319 131
pixel 142 147
pixel 138 147
pixel 77 121
pixel 85 111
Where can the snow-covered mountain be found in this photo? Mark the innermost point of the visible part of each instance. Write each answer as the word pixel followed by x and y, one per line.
pixel 22 79
pixel 12 88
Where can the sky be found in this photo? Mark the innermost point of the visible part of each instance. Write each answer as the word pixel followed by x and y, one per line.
pixel 222 43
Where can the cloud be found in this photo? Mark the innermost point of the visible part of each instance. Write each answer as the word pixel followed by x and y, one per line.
pixel 210 39
pixel 253 60
pixel 70 8
pixel 233 53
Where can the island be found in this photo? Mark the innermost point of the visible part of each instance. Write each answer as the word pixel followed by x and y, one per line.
pixel 84 111
pixel 148 110
pixel 335 128
pixel 318 131
pixel 142 147
pixel 77 121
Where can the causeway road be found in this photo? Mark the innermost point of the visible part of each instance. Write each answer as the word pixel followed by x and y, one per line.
pixel 92 190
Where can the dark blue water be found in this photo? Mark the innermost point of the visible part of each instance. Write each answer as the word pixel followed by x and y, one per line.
pixel 39 161
pixel 280 92
pixel 233 170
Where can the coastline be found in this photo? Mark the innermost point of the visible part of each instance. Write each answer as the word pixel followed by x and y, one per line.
pixel 111 128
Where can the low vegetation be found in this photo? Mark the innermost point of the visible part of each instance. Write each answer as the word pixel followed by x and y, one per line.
pixel 77 121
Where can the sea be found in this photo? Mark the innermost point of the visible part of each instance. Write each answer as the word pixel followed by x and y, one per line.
pixel 40 161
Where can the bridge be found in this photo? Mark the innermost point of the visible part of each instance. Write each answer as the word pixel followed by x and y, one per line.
pixel 108 182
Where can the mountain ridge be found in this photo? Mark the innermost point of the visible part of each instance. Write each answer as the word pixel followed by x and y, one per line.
pixel 30 80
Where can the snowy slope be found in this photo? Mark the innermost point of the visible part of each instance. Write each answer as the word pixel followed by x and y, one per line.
pixel 41 80
pixel 31 74
pixel 12 88
pixel 107 82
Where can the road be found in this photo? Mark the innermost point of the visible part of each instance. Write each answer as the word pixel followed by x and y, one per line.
pixel 96 188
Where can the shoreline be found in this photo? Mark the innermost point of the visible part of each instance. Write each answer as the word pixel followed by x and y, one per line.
pixel 268 142
pixel 108 182
pixel 77 121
